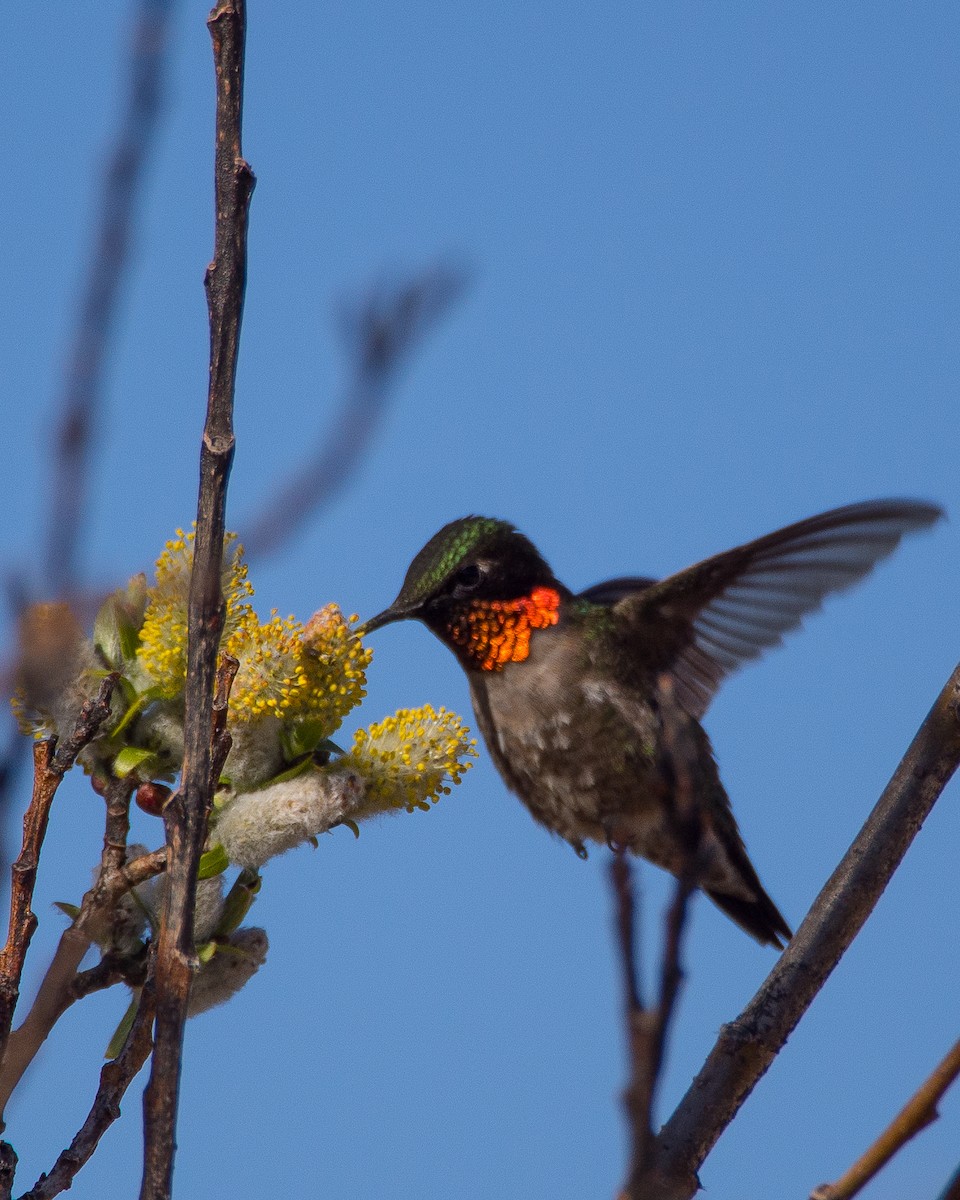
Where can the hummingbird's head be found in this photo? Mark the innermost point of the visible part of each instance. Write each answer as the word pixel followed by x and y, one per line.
pixel 475 570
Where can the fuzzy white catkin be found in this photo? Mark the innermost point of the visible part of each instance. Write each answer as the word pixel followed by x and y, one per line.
pixel 257 826
pixel 161 729
pixel 229 969
pixel 209 904
pixel 255 754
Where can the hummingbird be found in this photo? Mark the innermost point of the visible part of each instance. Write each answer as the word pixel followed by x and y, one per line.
pixel 590 702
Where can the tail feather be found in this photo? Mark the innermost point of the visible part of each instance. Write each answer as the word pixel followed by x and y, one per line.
pixel 760 917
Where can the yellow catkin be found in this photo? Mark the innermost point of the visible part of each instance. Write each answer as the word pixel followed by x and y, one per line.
pixel 162 654
pixel 314 672
pixel 411 759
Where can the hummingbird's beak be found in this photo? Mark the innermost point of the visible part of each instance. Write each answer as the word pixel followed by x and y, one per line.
pixel 385 618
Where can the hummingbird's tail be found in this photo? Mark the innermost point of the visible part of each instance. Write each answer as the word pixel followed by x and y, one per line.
pixel 760 917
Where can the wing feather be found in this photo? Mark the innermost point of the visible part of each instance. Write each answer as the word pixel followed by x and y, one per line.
pixel 705 622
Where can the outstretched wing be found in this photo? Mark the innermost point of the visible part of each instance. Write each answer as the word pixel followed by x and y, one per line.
pixel 703 623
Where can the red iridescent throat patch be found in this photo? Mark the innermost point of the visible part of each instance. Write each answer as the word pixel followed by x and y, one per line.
pixel 495 632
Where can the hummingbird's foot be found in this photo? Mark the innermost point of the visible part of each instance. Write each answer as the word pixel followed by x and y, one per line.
pixel 615 843
pixel 580 850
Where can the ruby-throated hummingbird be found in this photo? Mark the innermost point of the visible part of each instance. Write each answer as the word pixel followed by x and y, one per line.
pixel 587 699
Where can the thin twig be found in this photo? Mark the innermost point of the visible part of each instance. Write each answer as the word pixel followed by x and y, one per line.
pixel 62 985
pixel 621 877
pixel 185 816
pixel 50 766
pixel 638 1094
pixel 952 1190
pixel 23 921
pixel 8 1168
pixel 747 1046
pixel 115 1077
pixel 12 758
pixel 110 970
pixel 687 820
pixel 221 738
pixel 919 1112
pixel 382 335
pixel 647 1028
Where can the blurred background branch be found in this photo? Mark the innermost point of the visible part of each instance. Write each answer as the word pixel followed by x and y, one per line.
pixel 101 293
pixel 82 388
pixel 952 1190
pixel 649 1026
pixel 381 331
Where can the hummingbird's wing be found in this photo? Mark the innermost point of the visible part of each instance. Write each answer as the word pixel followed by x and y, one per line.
pixel 612 590
pixel 703 623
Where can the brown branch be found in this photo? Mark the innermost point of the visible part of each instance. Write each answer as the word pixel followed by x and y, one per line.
pixel 221 739
pixel 8 1168
pixel 23 921
pixel 62 986
pixel 636 1092
pixel 186 814
pixel 50 766
pixel 748 1045
pixel 115 1077
pixel 12 757
pixel 919 1112
pixel 109 265
pixel 110 970
pixel 382 335
pixel 952 1190
pixel 647 1028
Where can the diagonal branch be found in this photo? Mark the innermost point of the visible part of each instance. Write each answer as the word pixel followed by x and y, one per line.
pixel 648 1027
pixel 50 766
pixel 186 813
pixel 748 1045
pixel 952 1189
pixel 63 983
pixel 82 386
pixel 919 1112
pixel 382 334
pixel 115 1077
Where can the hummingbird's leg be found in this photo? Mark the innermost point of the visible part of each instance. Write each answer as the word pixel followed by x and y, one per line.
pixel 580 850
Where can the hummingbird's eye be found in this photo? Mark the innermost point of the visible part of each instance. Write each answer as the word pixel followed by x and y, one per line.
pixel 466 579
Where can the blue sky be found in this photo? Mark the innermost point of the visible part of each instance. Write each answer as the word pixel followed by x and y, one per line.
pixel 714 290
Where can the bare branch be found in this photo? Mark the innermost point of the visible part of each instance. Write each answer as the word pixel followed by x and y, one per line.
pixel 12 757
pixel 952 1190
pixel 186 814
pixel 647 1028
pixel 110 970
pixel 749 1044
pixel 115 1077
pixel 23 921
pixel 221 739
pixel 62 985
pixel 101 292
pixel 8 1168
pixel 50 766
pixel 919 1112
pixel 382 334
